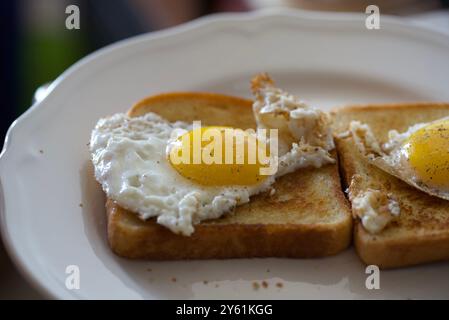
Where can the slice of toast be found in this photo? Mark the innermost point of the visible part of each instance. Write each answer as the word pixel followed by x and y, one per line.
pixel 308 216
pixel 421 232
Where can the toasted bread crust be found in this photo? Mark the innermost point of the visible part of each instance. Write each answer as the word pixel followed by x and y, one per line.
pixel 150 240
pixel 421 233
pixel 405 251
pixel 307 217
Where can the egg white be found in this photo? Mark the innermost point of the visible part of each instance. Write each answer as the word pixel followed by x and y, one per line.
pixel 129 156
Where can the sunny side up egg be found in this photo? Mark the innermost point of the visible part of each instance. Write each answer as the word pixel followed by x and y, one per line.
pixel 427 151
pixel 131 163
pixel 418 156
pixel 136 159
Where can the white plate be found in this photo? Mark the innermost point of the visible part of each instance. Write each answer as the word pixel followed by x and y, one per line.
pixel 328 59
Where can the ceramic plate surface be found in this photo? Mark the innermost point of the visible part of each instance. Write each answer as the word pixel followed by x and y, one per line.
pixel 53 211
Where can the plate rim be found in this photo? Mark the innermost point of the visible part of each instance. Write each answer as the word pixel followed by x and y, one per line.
pixel 213 21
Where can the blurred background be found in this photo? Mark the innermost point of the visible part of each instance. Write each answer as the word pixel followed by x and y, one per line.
pixel 37 47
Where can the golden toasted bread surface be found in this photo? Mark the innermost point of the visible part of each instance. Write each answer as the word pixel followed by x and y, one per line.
pixel 421 233
pixel 308 215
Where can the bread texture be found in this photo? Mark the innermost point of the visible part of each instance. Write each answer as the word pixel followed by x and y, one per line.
pixel 308 216
pixel 421 233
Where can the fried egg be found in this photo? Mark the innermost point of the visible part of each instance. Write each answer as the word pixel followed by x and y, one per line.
pixel 418 156
pixel 136 159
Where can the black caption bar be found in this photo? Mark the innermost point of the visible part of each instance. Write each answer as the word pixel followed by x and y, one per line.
pixel 211 309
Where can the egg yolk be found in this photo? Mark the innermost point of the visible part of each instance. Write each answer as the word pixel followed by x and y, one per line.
pixel 428 153
pixel 218 157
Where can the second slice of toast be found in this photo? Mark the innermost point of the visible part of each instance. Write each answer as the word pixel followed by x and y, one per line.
pixel 421 232
pixel 308 216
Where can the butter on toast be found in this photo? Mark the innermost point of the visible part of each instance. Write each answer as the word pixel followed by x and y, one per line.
pixel 421 232
pixel 308 216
